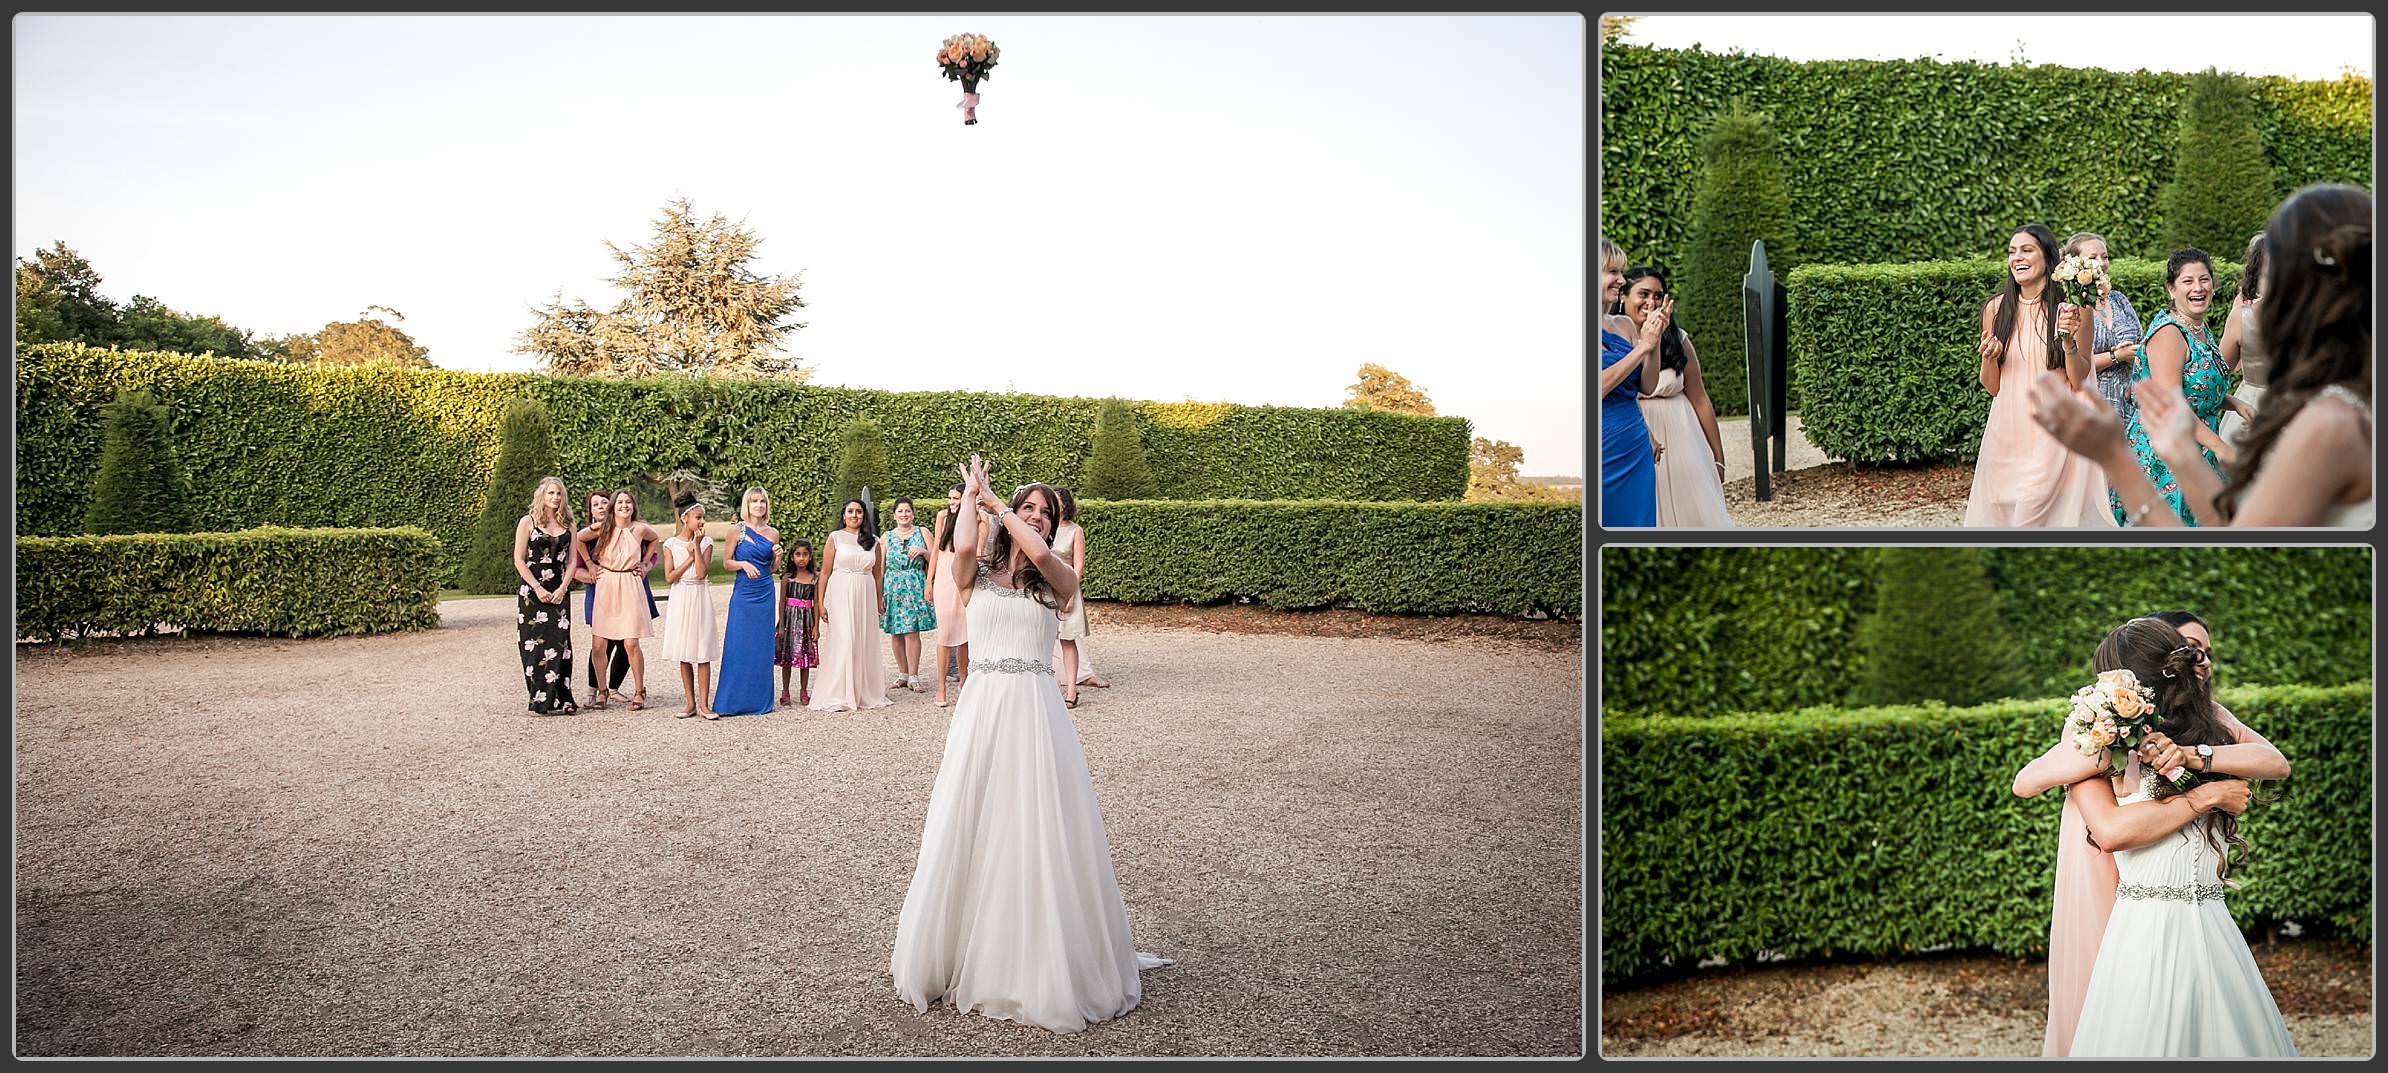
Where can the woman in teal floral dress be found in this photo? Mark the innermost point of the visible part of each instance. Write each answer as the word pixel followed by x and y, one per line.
pixel 2180 351
pixel 904 612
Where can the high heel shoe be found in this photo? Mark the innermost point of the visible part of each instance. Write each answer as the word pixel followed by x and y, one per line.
pixel 639 701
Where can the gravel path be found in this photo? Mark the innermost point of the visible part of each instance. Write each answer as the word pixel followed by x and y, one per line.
pixel 364 846
pixel 1955 1006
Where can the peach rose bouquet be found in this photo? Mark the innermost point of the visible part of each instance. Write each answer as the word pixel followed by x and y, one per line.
pixel 2112 717
pixel 966 58
pixel 2082 282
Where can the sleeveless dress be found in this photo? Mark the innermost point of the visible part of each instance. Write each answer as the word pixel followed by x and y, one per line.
pixel 1690 494
pixel 2174 977
pixel 951 623
pixel 851 677
pixel 2024 478
pixel 2255 370
pixel 2110 329
pixel 622 610
pixel 1073 624
pixel 1628 470
pixel 799 642
pixel 1014 911
pixel 688 635
pixel 744 679
pixel 904 598
pixel 2205 382
pixel 545 629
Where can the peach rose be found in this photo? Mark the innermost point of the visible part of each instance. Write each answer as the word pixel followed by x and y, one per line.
pixel 978 48
pixel 2084 276
pixel 2128 704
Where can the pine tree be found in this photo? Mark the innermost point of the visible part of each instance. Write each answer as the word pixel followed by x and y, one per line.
pixel 1115 465
pixel 1935 632
pixel 2221 191
pixel 140 489
pixel 863 464
pixel 1741 199
pixel 526 455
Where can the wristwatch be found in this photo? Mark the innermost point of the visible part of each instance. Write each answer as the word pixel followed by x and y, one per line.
pixel 2205 757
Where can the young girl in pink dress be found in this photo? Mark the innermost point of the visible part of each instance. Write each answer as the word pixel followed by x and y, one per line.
pixel 2023 477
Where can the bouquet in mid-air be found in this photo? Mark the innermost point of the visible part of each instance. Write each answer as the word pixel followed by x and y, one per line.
pixel 2113 716
pixel 2082 282
pixel 966 58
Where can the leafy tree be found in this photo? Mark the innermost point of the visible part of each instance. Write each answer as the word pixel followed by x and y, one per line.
pixel 1115 465
pixel 58 300
pixel 1492 474
pixel 1615 27
pixel 147 324
pixel 2221 191
pixel 862 463
pixel 692 305
pixel 1935 632
pixel 526 455
pixel 1381 388
pixel 140 489
pixel 1740 199
pixel 365 341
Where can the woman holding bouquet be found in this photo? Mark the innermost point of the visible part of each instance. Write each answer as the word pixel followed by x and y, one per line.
pixel 1690 451
pixel 1628 367
pixel 2115 335
pixel 2022 476
pixel 2085 873
pixel 2307 459
pixel 2173 975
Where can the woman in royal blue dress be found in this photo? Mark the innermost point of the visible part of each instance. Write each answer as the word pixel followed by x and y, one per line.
pixel 1628 367
pixel 748 638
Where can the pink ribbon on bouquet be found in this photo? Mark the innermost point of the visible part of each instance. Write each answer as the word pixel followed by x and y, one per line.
pixel 969 102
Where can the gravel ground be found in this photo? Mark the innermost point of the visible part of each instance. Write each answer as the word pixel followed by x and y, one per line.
pixel 1957 1006
pixel 364 846
pixel 1841 495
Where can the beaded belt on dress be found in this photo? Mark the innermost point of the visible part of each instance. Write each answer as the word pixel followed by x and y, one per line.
pixel 1011 666
pixel 2200 892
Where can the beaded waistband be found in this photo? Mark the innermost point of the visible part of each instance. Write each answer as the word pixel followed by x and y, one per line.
pixel 1011 666
pixel 2185 892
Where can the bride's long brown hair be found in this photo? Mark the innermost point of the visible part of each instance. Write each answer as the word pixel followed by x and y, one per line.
pixel 2165 661
pixel 1028 578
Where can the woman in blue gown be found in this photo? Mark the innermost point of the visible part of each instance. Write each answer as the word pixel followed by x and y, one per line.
pixel 1628 467
pixel 753 627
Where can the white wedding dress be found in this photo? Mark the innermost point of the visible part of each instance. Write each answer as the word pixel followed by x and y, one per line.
pixel 1014 910
pixel 2174 978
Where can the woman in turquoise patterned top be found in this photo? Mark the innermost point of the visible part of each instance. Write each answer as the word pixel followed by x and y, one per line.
pixel 2180 354
pixel 903 598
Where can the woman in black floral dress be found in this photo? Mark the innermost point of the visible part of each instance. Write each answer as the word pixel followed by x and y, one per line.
pixel 542 610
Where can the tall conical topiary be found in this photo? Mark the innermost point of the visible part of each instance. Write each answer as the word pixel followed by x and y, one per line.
pixel 862 463
pixel 1740 199
pixel 1935 632
pixel 140 488
pixel 1115 466
pixel 526 454
pixel 2221 190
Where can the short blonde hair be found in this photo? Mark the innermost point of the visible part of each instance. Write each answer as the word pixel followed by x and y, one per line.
pixel 1610 251
pixel 748 496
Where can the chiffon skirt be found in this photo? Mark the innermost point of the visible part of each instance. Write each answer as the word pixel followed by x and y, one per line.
pixel 2085 882
pixel 1690 494
pixel 850 677
pixel 2175 979
pixel 952 627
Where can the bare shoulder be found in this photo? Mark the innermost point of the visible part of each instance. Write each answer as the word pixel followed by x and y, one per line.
pixel 2328 423
pixel 769 533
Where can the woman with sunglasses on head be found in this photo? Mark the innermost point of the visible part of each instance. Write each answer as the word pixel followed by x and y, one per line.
pixel 1682 421
pixel 2307 459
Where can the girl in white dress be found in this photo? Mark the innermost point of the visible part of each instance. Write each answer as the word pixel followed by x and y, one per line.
pixel 1014 910
pixel 688 636
pixel 2174 977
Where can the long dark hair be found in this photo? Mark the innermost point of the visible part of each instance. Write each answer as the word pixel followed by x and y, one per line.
pixel 2251 270
pixel 945 536
pixel 1671 354
pixel 870 532
pixel 1028 578
pixel 2163 660
pixel 2316 323
pixel 1069 506
pixel 2010 298
pixel 812 562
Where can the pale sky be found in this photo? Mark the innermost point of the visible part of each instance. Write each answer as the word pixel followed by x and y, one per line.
pixel 2293 46
pixel 1240 208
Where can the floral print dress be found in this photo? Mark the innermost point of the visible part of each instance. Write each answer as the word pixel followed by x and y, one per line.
pixel 904 598
pixel 2205 382
pixel 545 629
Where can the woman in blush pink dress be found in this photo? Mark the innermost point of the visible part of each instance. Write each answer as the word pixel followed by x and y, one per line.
pixel 2023 477
pixel 855 560
pixel 2086 875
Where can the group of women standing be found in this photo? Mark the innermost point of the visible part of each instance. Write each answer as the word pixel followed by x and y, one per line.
pixel 2121 425
pixel 1662 457
pixel 784 611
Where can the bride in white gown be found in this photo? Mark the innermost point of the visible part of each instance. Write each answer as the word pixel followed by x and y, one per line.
pixel 2174 977
pixel 1014 910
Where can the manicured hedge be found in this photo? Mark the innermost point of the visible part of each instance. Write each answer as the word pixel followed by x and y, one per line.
pixel 1687 631
pixel 1886 359
pixel 1879 831
pixel 1415 558
pixel 1918 160
pixel 291 445
pixel 284 582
